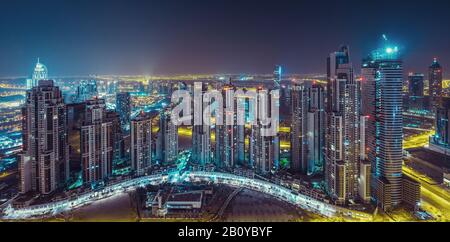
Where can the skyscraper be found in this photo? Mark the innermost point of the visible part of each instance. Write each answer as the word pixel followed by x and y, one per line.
pixel 342 146
pixel 201 133
pixel 123 107
pixel 141 144
pixel 415 91
pixel 44 162
pixel 225 134
pixel 384 127
pixel 86 90
pixel 435 83
pixel 263 150
pixel 277 76
pixel 97 142
pixel 307 128
pixel 40 73
pixel 168 139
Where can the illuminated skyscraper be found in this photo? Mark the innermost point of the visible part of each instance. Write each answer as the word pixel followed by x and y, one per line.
pixel 168 139
pixel 277 76
pixel 123 107
pixel 435 83
pixel 141 144
pixel 307 128
pixel 86 90
pixel 342 145
pixel 40 73
pixel 44 162
pixel 264 147
pixel 384 128
pixel 415 91
pixel 97 142
pixel 201 133
pixel 264 151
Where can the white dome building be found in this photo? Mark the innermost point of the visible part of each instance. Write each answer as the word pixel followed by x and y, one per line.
pixel 40 73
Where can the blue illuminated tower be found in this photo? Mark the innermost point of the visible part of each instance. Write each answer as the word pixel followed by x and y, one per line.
pixel 277 76
pixel 385 125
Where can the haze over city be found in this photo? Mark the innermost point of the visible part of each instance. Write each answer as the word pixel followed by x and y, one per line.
pixel 209 37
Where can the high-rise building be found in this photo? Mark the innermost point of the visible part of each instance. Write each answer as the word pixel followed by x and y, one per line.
pixel 75 119
pixel 44 161
pixel 40 73
pixel 230 138
pixel 87 90
pixel 201 133
pixel 97 142
pixel 264 152
pixel 141 144
pixel 307 128
pixel 415 91
pixel 123 107
pixel 167 139
pixel 435 83
pixel 225 134
pixel 277 76
pixel 342 146
pixel 384 134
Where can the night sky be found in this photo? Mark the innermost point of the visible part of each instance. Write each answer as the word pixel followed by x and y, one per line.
pixel 213 36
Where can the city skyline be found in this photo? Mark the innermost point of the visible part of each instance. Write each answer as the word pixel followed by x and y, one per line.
pixel 224 111
pixel 212 37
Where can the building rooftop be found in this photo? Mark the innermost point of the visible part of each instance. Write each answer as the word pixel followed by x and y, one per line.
pixel 432 157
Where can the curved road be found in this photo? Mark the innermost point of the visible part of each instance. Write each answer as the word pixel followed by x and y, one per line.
pixel 282 193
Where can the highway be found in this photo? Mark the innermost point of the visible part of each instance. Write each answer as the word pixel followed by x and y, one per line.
pixel 434 198
pixel 417 141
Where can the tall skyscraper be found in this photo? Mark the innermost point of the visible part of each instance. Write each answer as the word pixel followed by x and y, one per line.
pixel 415 91
pixel 141 144
pixel 168 139
pixel 264 152
pixel 307 128
pixel 97 142
pixel 123 107
pixel 44 162
pixel 225 134
pixel 342 146
pixel 40 73
pixel 201 133
pixel 435 83
pixel 277 76
pixel 384 134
